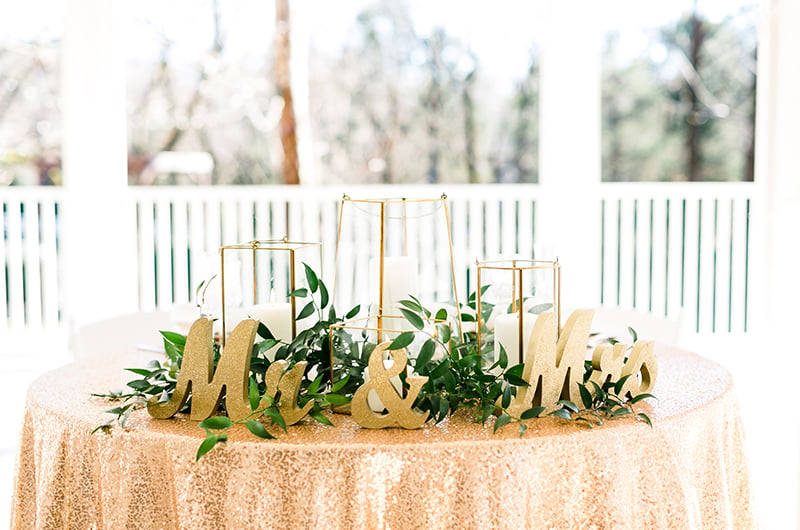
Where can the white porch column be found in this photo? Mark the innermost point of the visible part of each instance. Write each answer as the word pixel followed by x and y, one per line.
pixel 775 468
pixel 568 216
pixel 98 230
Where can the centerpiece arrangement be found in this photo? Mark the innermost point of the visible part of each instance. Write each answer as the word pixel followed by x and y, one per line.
pixel 394 361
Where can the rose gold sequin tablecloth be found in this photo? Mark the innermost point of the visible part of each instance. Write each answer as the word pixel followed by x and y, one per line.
pixel 689 471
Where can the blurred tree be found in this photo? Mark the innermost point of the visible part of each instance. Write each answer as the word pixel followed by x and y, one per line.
pixel 288 125
pixel 691 114
pixel 517 155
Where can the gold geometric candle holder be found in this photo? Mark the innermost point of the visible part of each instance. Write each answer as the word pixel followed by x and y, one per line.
pixel 245 266
pixel 390 249
pixel 510 294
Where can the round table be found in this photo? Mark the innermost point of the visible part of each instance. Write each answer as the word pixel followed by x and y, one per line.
pixel 688 471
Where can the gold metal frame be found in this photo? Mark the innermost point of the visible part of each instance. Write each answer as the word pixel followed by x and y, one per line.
pixel 383 202
pixel 517 267
pixel 277 245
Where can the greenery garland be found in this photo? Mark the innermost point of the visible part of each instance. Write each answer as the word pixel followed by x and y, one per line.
pixel 459 379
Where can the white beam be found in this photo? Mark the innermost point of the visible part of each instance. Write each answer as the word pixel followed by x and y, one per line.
pixel 569 145
pixel 776 255
pixel 98 230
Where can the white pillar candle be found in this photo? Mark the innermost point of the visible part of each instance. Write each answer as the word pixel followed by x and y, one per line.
pixel 399 281
pixel 506 332
pixel 277 316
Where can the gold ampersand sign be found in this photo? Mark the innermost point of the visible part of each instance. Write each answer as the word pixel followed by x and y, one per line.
pixel 399 412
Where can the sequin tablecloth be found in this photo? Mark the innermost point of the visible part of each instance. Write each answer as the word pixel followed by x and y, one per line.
pixel 688 471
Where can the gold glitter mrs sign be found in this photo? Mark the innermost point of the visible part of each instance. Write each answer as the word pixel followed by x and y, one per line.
pixel 232 377
pixel 554 363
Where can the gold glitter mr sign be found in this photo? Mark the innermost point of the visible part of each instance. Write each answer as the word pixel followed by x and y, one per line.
pixel 399 412
pixel 231 378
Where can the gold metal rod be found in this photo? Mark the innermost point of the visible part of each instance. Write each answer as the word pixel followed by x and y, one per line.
pixel 453 269
pixel 557 276
pixel 338 244
pixel 405 230
pixel 381 271
pixel 520 321
pixel 222 282
pixel 291 290
pixel 255 285
pixel 478 305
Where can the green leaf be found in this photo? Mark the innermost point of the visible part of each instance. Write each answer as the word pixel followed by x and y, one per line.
pixel 445 332
pixel 503 419
pixel 206 446
pixel 308 310
pixel 470 361
pixel 276 417
pixel 340 383
pixel 441 314
pixel 255 399
pixel 323 295
pixel 619 384
pixel 314 386
pixel 516 370
pixel 599 393
pixel 413 305
pixel 588 423
pixel 567 404
pixel 612 341
pixel 506 401
pixel 633 333
pixel 264 332
pixel 321 418
pixel 402 340
pixel 425 354
pixel 444 408
pixel 488 409
pixel 503 361
pixel 257 428
pixel 139 384
pixel 515 380
pixel 337 399
pixel 172 351
pixel 540 308
pixel 645 418
pixel 299 293
pixel 175 338
pixel 353 312
pixel 640 397
pixel 562 413
pixel 311 276
pixel 522 429
pixel 586 396
pixel 533 412
pixel 216 422
pixel 413 318
pixel 139 371
pixel 619 412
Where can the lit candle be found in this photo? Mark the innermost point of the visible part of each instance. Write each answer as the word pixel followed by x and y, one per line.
pixel 277 316
pixel 506 332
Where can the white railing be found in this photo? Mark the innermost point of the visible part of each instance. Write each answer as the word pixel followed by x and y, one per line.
pixel 666 248
pixel 679 248
pixel 30 283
